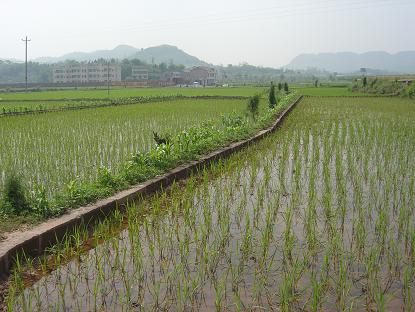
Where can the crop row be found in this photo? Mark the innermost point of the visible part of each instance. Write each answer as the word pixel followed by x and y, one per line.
pixel 80 94
pixel 317 217
pixel 28 107
pixel 56 148
pixel 78 157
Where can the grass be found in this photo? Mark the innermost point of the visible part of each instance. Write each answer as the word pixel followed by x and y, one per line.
pixel 318 216
pixel 80 93
pixel 78 157
pixel 327 91
pixel 19 108
pixel 59 147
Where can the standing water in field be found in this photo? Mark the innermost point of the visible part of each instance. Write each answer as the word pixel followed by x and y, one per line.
pixel 318 216
pixel 62 147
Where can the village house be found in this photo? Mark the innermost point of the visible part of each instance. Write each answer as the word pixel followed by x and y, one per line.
pixel 202 75
pixel 139 73
pixel 172 78
pixel 84 73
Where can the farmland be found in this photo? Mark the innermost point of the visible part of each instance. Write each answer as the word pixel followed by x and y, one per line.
pixel 22 103
pixel 18 103
pixel 127 92
pixel 61 146
pixel 327 91
pixel 317 216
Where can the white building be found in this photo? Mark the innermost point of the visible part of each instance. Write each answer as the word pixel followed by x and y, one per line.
pixel 139 73
pixel 79 73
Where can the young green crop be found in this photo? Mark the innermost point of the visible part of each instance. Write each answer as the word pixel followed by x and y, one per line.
pixel 318 216
pixel 86 93
pixel 55 148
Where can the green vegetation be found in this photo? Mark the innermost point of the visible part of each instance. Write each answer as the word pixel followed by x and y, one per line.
pixel 80 94
pixel 327 91
pixel 272 100
pixel 11 72
pixel 66 146
pixel 318 216
pixel 42 106
pixel 253 106
pixel 77 157
pixel 381 86
pixel 286 87
pixel 242 74
pixel 14 198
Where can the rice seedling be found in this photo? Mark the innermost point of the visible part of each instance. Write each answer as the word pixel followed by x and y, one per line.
pixel 64 146
pixel 316 217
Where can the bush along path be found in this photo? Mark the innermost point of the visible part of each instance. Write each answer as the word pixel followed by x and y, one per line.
pixel 180 148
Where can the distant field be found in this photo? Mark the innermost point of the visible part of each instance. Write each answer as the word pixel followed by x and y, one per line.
pixel 6 99
pixel 328 91
pixel 54 148
pixel 318 216
pixel 23 106
pixel 129 92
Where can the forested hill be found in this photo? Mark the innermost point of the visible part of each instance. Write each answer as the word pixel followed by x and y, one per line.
pixel 153 55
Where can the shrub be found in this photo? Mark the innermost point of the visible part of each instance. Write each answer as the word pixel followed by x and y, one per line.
pixel 40 203
pixel 286 87
pixel 253 106
pixel 271 98
pixel 14 198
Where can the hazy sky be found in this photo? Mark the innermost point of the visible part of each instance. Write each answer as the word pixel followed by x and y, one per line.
pixel 260 32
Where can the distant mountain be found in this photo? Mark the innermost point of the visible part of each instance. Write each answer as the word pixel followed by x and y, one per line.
pixel 167 53
pixel 348 62
pixel 158 54
pixel 120 52
pixel 12 60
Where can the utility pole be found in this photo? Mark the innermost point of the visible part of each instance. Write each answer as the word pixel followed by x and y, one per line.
pixel 108 78
pixel 26 41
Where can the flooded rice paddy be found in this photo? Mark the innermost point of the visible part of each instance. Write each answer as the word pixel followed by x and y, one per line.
pixel 316 217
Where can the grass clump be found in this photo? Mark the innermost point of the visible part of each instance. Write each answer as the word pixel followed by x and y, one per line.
pixel 14 199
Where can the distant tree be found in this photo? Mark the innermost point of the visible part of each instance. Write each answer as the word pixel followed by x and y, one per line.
pixel 364 82
pixel 316 83
pixel 162 67
pixel 126 69
pixel 253 106
pixel 279 86
pixel 137 62
pixel 271 97
pixel 286 87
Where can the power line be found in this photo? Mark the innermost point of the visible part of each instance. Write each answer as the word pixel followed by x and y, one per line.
pixel 272 12
pixel 26 41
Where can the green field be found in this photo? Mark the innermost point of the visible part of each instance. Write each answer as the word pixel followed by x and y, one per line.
pixel 7 107
pixel 327 91
pixel 129 92
pixel 316 217
pixel 54 148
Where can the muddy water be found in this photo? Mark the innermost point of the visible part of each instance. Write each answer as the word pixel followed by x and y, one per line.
pixel 320 215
